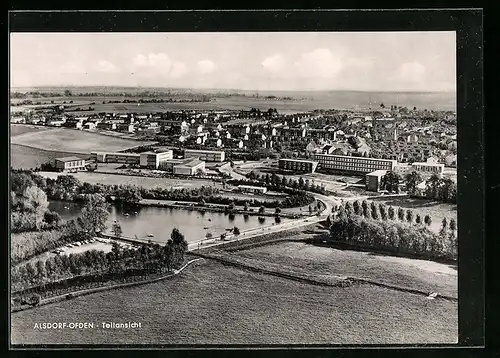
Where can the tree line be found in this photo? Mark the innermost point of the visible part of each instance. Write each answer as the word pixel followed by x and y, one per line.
pixel 69 188
pixel 147 259
pixel 383 228
pixel 282 183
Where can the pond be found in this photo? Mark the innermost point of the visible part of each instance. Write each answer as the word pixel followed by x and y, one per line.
pixel 159 222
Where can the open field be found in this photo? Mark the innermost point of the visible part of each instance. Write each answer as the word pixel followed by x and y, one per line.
pixel 18 129
pixel 146 182
pixel 74 141
pixel 436 210
pixel 214 304
pixel 326 262
pixel 22 157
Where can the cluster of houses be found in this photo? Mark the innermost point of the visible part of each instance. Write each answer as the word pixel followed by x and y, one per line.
pixel 384 136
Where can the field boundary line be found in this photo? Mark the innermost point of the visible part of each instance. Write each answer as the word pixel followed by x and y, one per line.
pixel 343 281
pixel 106 288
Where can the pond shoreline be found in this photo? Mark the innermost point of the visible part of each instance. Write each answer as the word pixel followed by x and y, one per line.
pixel 216 209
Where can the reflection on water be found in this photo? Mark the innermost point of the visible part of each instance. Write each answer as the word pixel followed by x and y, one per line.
pixel 144 221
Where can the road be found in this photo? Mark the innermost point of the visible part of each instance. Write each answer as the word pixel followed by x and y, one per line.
pixel 328 201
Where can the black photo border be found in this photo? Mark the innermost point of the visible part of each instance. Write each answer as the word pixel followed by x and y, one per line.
pixel 468 24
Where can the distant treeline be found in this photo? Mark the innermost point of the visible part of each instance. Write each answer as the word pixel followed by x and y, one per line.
pixel 69 93
pixel 161 100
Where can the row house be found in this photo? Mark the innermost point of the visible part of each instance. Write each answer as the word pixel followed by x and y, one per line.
pixel 125 127
pixel 413 152
pixel 287 135
pixel 238 130
pixel 90 125
pixel 108 126
pixel 17 119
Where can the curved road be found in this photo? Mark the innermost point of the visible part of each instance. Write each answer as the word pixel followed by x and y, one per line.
pixel 328 201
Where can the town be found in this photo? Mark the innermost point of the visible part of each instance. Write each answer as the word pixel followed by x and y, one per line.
pixel 236 199
pixel 332 141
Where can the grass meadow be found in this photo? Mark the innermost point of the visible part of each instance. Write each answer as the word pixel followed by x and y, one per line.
pixel 326 262
pixel 74 141
pixel 210 303
pixel 22 157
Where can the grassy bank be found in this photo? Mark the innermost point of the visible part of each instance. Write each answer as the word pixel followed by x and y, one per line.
pixel 327 263
pixel 215 304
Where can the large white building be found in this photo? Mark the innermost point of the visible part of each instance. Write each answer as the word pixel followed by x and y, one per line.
pixel 343 163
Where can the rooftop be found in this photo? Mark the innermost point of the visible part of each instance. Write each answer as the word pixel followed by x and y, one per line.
pixel 378 173
pixel 191 162
pixel 251 187
pixel 68 159
pixel 202 151
pixel 428 164
pixel 298 160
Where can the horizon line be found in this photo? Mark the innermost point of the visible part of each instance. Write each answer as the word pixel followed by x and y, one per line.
pixel 234 89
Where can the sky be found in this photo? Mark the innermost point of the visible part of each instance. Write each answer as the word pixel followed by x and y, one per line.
pixel 370 61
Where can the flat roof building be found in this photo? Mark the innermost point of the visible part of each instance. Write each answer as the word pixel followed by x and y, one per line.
pixel 427 169
pixel 114 157
pixel 153 159
pixel 298 165
pixel 189 167
pixel 374 180
pixel 205 155
pixel 252 189
pixel 352 164
pixel 69 163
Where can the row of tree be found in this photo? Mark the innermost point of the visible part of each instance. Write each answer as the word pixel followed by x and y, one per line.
pixel 282 182
pixel 383 212
pixel 394 236
pixel 144 260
